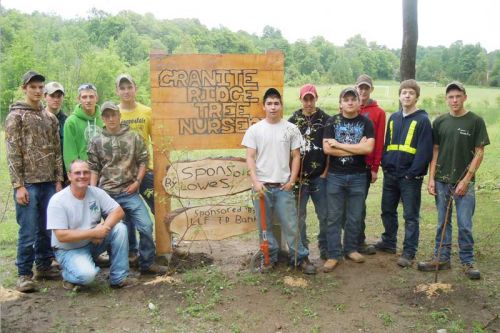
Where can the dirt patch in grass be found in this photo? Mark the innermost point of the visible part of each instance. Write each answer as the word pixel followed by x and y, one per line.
pixel 213 291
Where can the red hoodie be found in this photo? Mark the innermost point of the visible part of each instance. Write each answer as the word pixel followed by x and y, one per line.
pixel 377 116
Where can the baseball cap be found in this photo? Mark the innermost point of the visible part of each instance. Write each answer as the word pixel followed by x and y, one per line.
pixel 109 106
pixel 348 91
pixel 271 92
pixel 308 89
pixel 31 76
pixel 124 77
pixel 52 87
pixel 364 79
pixel 455 85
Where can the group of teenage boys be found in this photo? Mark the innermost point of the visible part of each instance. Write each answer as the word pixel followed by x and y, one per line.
pixel 333 160
pixel 102 153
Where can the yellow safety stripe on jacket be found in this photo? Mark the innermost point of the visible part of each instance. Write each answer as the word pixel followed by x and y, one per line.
pixel 409 137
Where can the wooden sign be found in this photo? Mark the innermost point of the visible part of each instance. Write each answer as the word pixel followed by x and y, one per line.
pixel 214 222
pixel 207 178
pixel 203 101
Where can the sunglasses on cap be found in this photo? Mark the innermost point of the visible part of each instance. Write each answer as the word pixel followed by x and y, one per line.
pixel 87 86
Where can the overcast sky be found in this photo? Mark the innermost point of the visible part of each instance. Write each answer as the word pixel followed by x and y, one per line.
pixel 441 22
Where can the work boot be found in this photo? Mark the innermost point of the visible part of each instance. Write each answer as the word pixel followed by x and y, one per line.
pixel 330 265
pixel 429 266
pixel 102 261
pixel 71 286
pixel 307 267
pixel 356 257
pixel 367 249
pixel 155 269
pixel 25 284
pixel 133 259
pixel 471 272
pixel 383 247
pixel 404 262
pixel 126 283
pixel 47 273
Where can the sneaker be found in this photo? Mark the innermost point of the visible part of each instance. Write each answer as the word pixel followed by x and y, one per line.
pixel 133 259
pixel 47 273
pixel 356 257
pixel 102 261
pixel 367 249
pixel 155 269
pixel 307 267
pixel 25 284
pixel 471 272
pixel 329 265
pixel 404 262
pixel 71 286
pixel 429 266
pixel 383 247
pixel 126 283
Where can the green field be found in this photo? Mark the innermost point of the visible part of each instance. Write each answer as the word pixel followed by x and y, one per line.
pixel 310 308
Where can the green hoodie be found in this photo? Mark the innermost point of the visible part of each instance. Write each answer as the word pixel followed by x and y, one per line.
pixel 79 128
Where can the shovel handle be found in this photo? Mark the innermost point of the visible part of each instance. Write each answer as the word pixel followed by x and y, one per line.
pixel 264 246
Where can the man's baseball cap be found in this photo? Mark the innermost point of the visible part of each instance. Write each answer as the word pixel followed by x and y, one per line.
pixel 32 76
pixel 109 106
pixel 124 77
pixel 308 89
pixel 52 87
pixel 455 85
pixel 348 91
pixel 364 79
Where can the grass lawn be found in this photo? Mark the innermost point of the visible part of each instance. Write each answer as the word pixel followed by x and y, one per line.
pixel 210 299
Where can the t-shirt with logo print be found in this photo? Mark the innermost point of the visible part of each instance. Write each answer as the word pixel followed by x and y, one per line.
pixel 65 211
pixel 457 138
pixel 348 131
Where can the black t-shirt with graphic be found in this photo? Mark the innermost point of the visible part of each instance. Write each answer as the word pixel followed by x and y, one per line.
pixel 349 131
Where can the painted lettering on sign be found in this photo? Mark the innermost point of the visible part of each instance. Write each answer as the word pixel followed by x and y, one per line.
pixel 211 222
pixel 221 98
pixel 207 178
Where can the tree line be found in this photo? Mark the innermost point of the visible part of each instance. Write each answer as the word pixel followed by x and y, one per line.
pixel 97 48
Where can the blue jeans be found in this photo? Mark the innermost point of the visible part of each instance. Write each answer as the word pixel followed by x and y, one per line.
pixel 345 191
pixel 33 243
pixel 362 235
pixel 409 192
pixel 78 266
pixel 147 193
pixel 137 214
pixel 316 190
pixel 281 204
pixel 465 206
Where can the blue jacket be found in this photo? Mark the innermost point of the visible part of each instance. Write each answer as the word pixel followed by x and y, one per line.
pixel 408 145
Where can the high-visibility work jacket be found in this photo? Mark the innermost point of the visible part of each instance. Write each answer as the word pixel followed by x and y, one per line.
pixel 408 144
pixel 406 147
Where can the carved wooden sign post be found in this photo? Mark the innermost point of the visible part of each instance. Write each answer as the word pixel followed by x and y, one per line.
pixel 204 102
pixel 212 222
pixel 207 178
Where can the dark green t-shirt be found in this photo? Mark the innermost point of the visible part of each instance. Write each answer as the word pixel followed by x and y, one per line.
pixel 457 138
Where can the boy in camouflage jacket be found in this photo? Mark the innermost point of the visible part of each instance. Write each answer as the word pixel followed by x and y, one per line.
pixel 118 159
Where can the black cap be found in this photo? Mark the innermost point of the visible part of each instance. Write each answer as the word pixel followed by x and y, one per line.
pixel 32 76
pixel 271 92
